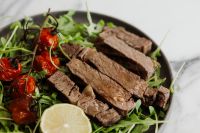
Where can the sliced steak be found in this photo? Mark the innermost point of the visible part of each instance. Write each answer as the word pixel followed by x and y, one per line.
pixel 130 81
pixel 89 104
pixel 141 63
pixel 108 117
pixel 140 43
pixel 92 106
pixel 149 96
pixel 67 87
pixel 86 100
pixel 71 50
pixel 162 97
pixel 74 95
pixel 108 89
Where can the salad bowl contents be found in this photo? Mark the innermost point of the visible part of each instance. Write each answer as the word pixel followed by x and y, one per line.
pixel 64 73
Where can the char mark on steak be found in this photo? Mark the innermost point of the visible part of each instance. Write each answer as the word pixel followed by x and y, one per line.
pixel 85 100
pixel 104 86
pixel 140 43
pixel 130 81
pixel 141 64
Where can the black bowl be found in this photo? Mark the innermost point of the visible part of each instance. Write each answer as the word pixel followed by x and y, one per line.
pixel 81 17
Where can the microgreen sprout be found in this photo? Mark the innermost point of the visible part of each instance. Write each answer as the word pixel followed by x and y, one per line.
pixel 176 77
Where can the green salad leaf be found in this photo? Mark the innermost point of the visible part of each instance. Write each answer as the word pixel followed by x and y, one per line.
pixel 78 33
pixel 155 81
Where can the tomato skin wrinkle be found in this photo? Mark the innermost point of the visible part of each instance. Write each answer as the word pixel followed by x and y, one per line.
pixel 42 62
pixel 23 85
pixel 7 72
pixel 48 39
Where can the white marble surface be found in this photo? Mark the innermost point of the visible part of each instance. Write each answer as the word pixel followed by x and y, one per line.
pixel 155 17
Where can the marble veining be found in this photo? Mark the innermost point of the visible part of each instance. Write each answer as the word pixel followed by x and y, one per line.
pixel 155 18
pixel 184 115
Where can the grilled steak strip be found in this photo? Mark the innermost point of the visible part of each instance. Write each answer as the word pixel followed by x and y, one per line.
pixel 67 87
pixel 86 100
pixel 108 117
pixel 95 108
pixel 71 50
pixel 141 63
pixel 108 89
pixel 91 106
pixel 74 95
pixel 149 96
pixel 140 43
pixel 162 97
pixel 130 81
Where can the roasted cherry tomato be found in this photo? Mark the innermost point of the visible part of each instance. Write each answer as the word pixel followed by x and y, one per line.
pixel 48 38
pixel 21 103
pixel 24 117
pixel 7 71
pixel 20 110
pixel 23 85
pixel 42 62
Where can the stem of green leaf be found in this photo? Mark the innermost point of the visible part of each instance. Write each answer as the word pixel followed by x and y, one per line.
pixel 13 33
pixel 15 49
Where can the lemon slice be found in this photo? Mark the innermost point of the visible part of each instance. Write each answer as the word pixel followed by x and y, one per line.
pixel 65 118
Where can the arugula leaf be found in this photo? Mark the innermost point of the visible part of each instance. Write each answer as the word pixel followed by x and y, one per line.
pixel 9 40
pixel 72 32
pixel 111 25
pixel 155 80
pixel 39 75
pixel 16 24
pixel 153 113
pixel 155 54
pixel 66 24
pixel 1 93
pixel 137 105
pixel 93 29
pixel 76 33
pixel 151 110
pixel 140 128
pixel 4 118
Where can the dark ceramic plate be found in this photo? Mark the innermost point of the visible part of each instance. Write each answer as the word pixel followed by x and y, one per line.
pixel 82 18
